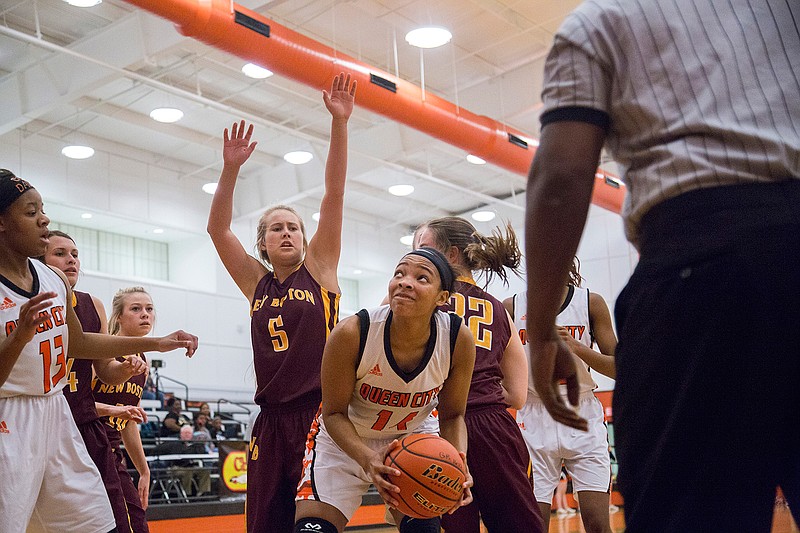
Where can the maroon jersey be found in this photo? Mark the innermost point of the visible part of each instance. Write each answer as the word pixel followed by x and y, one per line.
pixel 487 320
pixel 79 371
pixel 128 393
pixel 290 324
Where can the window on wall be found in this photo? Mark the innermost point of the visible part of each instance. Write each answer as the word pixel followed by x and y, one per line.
pixel 117 254
pixel 348 304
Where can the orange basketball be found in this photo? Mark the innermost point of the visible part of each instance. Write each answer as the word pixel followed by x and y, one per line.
pixel 431 475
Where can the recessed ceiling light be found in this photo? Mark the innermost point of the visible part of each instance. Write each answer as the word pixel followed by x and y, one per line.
pixel 358 271
pixel 86 216
pixel 483 216
pixel 408 240
pixel 83 3
pixel 475 160
pixel 210 188
pixel 254 71
pixel 432 37
pixel 167 115
pixel 401 190
pixel 315 216
pixel 78 152
pixel 300 157
pixel 158 231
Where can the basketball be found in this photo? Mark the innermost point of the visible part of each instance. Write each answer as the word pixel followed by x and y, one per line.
pixel 431 477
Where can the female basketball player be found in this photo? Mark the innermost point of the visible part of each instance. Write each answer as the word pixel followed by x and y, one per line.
pixel 583 321
pixel 408 348
pixel 62 253
pixel 498 459
pixel 294 296
pixel 132 314
pixel 54 484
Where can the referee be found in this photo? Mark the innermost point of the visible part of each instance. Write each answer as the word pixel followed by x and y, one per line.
pixel 699 103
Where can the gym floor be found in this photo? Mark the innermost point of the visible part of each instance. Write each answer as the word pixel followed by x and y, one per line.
pixel 782 523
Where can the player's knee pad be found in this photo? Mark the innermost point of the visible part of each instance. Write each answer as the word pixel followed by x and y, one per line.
pixel 420 525
pixel 115 530
pixel 314 525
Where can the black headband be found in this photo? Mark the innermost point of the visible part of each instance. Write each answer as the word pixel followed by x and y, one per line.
pixel 440 262
pixel 11 188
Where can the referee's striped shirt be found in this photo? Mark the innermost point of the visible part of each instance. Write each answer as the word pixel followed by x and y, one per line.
pixel 692 93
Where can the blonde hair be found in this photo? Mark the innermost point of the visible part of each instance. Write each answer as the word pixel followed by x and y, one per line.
pixel 261 232
pixel 118 304
pixel 488 255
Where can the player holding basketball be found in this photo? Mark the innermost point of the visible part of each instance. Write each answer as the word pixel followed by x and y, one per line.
pixel 409 349
pixel 54 484
pixel 583 320
pixel 294 306
pixel 62 253
pixel 132 314
pixel 498 459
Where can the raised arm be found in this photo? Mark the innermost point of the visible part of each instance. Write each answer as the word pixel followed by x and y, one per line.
pixel 514 365
pixel 322 256
pixel 245 269
pixel 558 195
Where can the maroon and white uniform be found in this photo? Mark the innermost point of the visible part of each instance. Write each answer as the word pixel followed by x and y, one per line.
pixel 78 392
pixel 128 393
pixel 498 459
pixel 51 483
pixel 291 321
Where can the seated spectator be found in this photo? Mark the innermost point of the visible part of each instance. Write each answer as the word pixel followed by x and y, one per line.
pixel 174 420
pixel 205 410
pixel 202 433
pixel 216 429
pixel 186 469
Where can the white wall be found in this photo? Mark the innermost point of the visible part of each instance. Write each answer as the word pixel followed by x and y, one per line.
pixel 203 299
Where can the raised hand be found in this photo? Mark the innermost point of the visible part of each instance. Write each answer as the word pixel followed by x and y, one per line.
pixel 237 147
pixel 340 100
pixel 178 339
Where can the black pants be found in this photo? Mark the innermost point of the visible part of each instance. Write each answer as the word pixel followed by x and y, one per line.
pixel 707 401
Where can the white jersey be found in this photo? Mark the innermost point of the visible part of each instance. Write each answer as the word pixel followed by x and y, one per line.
pixel 389 402
pixel 574 316
pixel 42 364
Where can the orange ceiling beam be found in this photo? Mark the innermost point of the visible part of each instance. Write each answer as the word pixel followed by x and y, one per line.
pixel 249 35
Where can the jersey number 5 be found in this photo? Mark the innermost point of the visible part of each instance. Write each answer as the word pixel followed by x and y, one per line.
pixel 47 352
pixel 280 341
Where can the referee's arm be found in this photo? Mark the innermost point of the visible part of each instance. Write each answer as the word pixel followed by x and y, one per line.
pixel 558 195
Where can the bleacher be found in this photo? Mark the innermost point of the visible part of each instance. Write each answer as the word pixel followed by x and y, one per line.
pixel 165 486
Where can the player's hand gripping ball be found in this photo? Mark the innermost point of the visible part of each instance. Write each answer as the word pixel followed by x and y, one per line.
pixel 431 478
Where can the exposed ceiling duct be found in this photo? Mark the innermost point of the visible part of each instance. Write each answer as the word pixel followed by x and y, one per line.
pixel 249 35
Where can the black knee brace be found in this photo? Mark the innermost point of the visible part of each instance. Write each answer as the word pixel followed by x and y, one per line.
pixel 420 525
pixel 314 525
